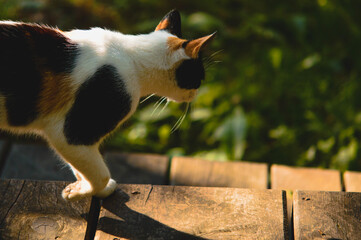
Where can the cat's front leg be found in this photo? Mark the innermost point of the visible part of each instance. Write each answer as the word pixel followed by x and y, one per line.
pixel 93 176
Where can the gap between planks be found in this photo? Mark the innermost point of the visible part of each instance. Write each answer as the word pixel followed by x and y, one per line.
pixel 5 149
pixel 93 218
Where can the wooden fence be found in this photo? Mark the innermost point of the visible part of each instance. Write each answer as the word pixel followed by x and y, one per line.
pixel 177 198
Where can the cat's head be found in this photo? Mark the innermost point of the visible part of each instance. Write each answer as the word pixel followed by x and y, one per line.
pixel 188 71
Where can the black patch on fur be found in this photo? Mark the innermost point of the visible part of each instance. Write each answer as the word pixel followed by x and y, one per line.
pixel 26 52
pixel 190 74
pixel 174 20
pixel 101 103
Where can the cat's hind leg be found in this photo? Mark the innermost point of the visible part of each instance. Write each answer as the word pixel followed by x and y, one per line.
pixel 93 176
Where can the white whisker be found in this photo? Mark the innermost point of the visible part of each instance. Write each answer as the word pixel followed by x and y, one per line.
pixel 158 103
pixel 215 53
pixel 164 107
pixel 180 120
pixel 209 62
pixel 145 99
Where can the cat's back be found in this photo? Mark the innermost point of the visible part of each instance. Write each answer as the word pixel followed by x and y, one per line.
pixel 34 63
pixel 48 48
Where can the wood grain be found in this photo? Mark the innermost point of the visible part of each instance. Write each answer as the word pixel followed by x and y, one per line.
pixel 292 178
pixel 188 171
pixel 178 212
pixel 138 168
pixel 352 181
pixel 36 210
pixel 327 215
pixel 36 162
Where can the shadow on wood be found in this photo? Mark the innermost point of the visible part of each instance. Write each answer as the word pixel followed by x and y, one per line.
pixel 134 225
pixel 182 212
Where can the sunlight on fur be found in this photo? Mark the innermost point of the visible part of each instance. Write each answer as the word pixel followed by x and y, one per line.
pixel 75 88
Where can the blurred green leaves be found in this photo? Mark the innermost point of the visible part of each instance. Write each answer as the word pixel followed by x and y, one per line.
pixel 276 57
pixel 231 134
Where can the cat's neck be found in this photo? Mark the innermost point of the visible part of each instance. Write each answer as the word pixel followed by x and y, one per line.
pixel 141 59
pixel 153 81
pixel 152 63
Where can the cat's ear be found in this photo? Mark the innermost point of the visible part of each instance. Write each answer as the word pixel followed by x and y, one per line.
pixel 171 23
pixel 192 48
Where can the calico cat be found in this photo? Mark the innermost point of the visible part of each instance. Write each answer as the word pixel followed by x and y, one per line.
pixel 74 88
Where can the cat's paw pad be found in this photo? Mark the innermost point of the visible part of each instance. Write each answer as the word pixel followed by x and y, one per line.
pixel 109 189
pixel 75 191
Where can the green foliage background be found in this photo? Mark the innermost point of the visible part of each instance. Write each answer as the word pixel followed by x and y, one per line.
pixel 285 87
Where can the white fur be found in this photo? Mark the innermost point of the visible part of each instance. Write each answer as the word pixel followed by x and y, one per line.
pixel 9 22
pixel 146 64
pixel 142 60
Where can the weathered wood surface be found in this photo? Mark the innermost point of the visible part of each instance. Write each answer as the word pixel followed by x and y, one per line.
pixel 292 178
pixel 178 212
pixel 36 162
pixel 352 181
pixel 284 177
pixel 138 168
pixel 35 210
pixel 327 215
pixel 197 172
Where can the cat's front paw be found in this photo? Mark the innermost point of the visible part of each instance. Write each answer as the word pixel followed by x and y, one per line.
pixel 81 189
pixel 76 191
pixel 109 189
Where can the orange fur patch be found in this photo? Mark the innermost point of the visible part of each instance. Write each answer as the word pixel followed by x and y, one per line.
pixel 163 25
pixel 55 93
pixel 175 43
pixel 195 46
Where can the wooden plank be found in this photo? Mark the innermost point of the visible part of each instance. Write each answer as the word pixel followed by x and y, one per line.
pixel 36 210
pixel 180 212
pixel 352 181
pixel 292 178
pixel 284 177
pixel 197 172
pixel 327 215
pixel 138 168
pixel 36 162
